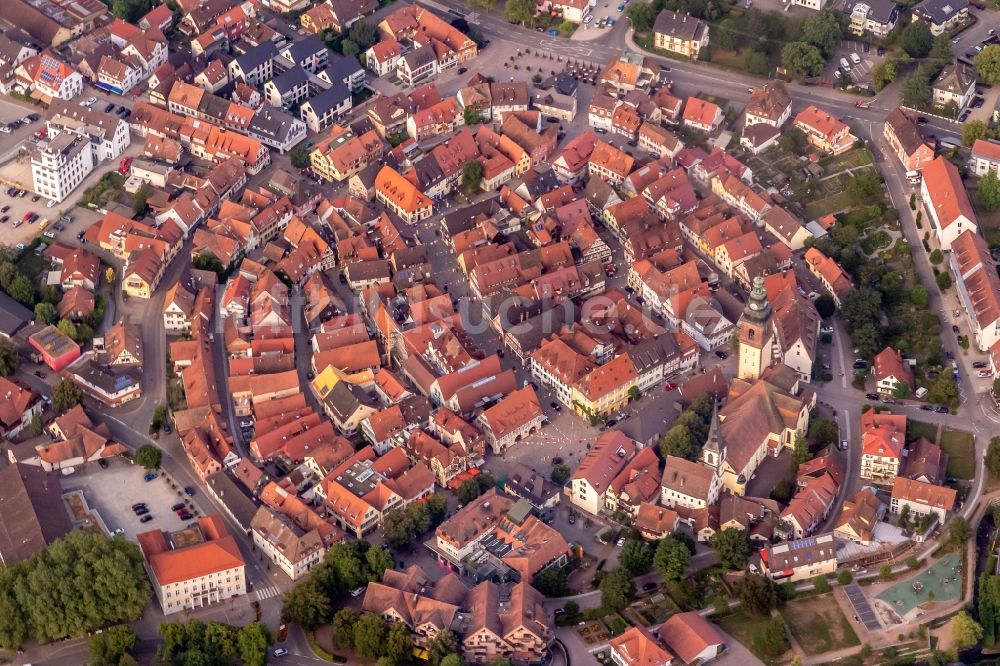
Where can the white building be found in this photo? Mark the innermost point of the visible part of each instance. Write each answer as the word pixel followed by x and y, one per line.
pixel 194 567
pixel 292 549
pixel 61 166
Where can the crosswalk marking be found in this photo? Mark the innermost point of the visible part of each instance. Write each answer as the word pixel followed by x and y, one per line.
pixel 268 592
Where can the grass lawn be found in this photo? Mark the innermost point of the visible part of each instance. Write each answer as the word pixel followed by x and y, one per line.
pixel 833 204
pixel 818 624
pixel 852 158
pixel 961 450
pixel 921 429
pixel 742 627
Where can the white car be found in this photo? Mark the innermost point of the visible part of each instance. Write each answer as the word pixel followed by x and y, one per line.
pixel 280 652
pixel 855 59
pixel 589 19
pixel 826 329
pixel 90 102
pixel 985 372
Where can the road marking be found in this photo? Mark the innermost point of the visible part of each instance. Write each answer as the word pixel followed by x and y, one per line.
pixel 267 593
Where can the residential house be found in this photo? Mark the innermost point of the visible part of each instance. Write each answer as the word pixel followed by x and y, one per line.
pixel 922 498
pixel 637 647
pixel 883 437
pixel 692 637
pixel 946 201
pixel 941 15
pixel 892 373
pixel 680 33
pixel 603 462
pixel 876 17
pixel 830 274
pixel 702 115
pixel 905 138
pixel 801 559
pixel 826 133
pixel 770 104
pixel 986 157
pixel 956 84
pixel 514 417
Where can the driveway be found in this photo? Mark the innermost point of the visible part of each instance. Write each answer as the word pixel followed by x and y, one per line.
pixel 112 492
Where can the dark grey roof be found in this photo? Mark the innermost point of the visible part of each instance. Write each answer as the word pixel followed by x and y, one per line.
pixel 527 484
pixel 652 421
pixel 257 56
pixel 530 331
pixel 678 25
pixel 329 99
pixel 348 10
pixel 290 80
pixel 234 496
pixel 883 11
pixel 272 123
pixel 214 106
pixel 343 68
pixel 464 218
pixel 344 399
pixel 109 381
pixel 13 315
pixel 308 47
pixel 417 58
pixel 32 514
pixel 938 11
pixel 428 171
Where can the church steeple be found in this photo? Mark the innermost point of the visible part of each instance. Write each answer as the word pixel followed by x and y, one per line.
pixel 713 453
pixel 758 308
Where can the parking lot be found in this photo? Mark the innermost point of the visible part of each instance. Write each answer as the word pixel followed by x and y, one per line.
pixel 860 73
pixel 112 492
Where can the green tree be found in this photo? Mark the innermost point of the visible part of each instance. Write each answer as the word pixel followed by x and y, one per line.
pixel 10 360
pixel 916 39
pixel 825 306
pixel 342 629
pixel 149 456
pixel 941 52
pixel 802 60
pixel 732 545
pixel 467 491
pixel 560 474
pixel 944 390
pixel 453 659
pixel 519 11
pixel 68 328
pixel 758 594
pixel 299 157
pixel 364 34
pixel 864 186
pixel 443 644
pixel 824 31
pixel 919 296
pixel 65 396
pixel 397 528
pixel 140 199
pixel 112 644
pixel 959 531
pixel 988 191
pixel 844 577
pixel 130 10
pixel 472 176
pixel 306 604
pixel 770 639
pixel 552 582
pixel 379 559
pixel 987 65
pixel 22 291
pixel 471 115
pixel 369 636
pixel 821 584
pixel 45 314
pixel 965 632
pixel 993 450
pixel 643 15
pixel 917 89
pixel 884 73
pixel 823 431
pixel 801 452
pixel 253 641
pixel 972 131
pixel 678 442
pixel 635 557
pixel 616 590
pixel 936 256
pixel 756 62
pixel 783 491
pixel 671 558
pixel 943 280
pixel 399 643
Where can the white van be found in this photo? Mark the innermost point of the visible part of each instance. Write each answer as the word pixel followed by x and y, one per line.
pixel 913 177
pixel 855 59
pixel 846 66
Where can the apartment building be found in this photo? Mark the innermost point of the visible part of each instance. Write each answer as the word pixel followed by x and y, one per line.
pixel 680 33
pixel 883 438
pixel 905 138
pixel 946 201
pixel 59 167
pixel 589 483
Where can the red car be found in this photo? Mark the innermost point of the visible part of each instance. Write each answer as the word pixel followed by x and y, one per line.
pixel 669 386
pixel 124 165
pixel 27 216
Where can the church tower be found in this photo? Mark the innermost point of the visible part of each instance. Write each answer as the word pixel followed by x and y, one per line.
pixel 756 333
pixel 713 454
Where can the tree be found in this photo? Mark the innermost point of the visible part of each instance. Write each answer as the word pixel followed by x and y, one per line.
pixel 299 157
pixel 364 34
pixel 821 584
pixel 916 39
pixel 379 559
pixel 635 557
pixel 616 590
pixel 825 306
pixel 519 11
pixel 472 176
pixel 756 62
pixel 65 396
pixel 864 186
pixel 972 131
pixel 823 431
pixel 112 644
pixel 959 531
pixel 467 491
pixel 471 115
pixel 965 632
pixel 399 643
pixel 987 65
pixel 802 60
pixel 844 577
pixel 306 604
pixel 560 474
pixel 130 10
pixel 988 191
pixel 936 256
pixel 342 629
pixel 944 390
pixel 917 89
pixel 919 296
pixel 732 545
pixel 552 582
pixel 643 15
pixel 678 442
pixel 253 641
pixel 453 659
pixel 671 558
pixel 943 280
pixel 770 639
pixel 369 636
pixel 824 31
pixel 783 491
pixel 941 50
pixel 993 450
pixel 443 644
pixel 10 360
pixel 140 198
pixel 758 594
pixel 68 328
pixel 149 456
pixel 884 73
pixel 800 453
pixel 45 314
pixel 397 528
pixel 22 291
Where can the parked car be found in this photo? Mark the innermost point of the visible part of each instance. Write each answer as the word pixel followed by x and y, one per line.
pixel 150 476
pixel 649 587
pixel 985 372
pixel 888 401
pixel 927 408
pixel 843 445
pixel 669 386
pixel 178 506
pixel 189 490
pixel 146 518
pixel 280 652
pixel 721 354
pixel 872 396
pixel 141 511
pixel 138 505
pixel 102 463
pixel 942 410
